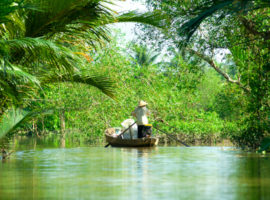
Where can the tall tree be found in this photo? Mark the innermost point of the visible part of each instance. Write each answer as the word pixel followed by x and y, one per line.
pixel 206 28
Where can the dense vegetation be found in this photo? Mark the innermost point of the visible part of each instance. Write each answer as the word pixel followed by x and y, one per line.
pixel 47 42
pixel 240 29
pixel 193 107
pixel 44 70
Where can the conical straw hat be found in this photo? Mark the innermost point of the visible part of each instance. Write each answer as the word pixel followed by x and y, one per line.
pixel 142 103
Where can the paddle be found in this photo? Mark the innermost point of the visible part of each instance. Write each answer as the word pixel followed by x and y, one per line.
pixel 121 133
pixel 172 136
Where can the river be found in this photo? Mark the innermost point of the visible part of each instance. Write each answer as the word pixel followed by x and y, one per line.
pixel 172 172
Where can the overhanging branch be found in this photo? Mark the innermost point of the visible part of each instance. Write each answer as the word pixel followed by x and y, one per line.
pixel 217 69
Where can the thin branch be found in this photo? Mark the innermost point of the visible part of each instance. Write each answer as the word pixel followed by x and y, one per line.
pixel 217 69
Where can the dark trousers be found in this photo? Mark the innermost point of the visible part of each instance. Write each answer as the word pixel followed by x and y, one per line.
pixel 140 131
pixel 144 130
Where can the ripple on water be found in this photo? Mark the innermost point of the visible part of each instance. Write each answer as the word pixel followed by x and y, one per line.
pixel 153 173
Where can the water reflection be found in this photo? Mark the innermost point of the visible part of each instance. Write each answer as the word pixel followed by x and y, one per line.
pixel 139 160
pixel 255 175
pixel 143 171
pixel 48 141
pixel 63 141
pixel 135 173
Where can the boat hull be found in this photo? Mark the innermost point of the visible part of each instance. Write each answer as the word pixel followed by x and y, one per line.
pixel 141 142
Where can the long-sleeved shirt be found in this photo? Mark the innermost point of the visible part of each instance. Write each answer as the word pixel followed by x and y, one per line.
pixel 141 114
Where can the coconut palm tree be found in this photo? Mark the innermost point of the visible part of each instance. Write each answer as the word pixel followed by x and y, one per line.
pixel 48 41
pixel 142 56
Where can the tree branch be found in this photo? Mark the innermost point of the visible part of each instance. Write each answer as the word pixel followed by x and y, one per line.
pixel 217 69
pixel 251 27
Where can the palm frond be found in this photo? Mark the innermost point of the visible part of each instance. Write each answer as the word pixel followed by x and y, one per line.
pixel 103 83
pixel 16 73
pixel 156 18
pixel 13 27
pixel 15 117
pixel 41 44
pixel 47 53
pixel 209 7
pixel 143 56
pixel 9 91
pixel 16 83
pixel 189 27
pixel 91 34
pixel 12 119
pixel 7 7
pixel 59 16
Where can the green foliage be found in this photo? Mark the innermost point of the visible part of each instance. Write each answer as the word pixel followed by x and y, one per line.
pixel 252 64
pixel 229 103
pixel 35 49
pixel 156 18
pixel 142 56
pixel 46 48
pixel 173 95
pixel 45 42
pixel 265 145
pixel 15 117
pixel 11 120
pixel 242 28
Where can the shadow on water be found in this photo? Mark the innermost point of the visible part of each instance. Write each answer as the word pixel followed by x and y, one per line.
pixel 254 179
pixel 48 141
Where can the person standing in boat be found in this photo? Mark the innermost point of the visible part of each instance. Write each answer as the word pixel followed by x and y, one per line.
pixel 141 113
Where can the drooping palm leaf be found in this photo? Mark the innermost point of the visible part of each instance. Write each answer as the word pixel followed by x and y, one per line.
pixel 210 7
pixel 29 50
pixel 48 39
pixel 156 18
pixel 7 7
pixel 61 16
pixel 14 82
pixel 15 117
pixel 12 119
pixel 192 25
pixel 103 83
pixel 14 72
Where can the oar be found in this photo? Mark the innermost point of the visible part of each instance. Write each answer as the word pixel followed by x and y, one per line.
pixel 121 134
pixel 171 136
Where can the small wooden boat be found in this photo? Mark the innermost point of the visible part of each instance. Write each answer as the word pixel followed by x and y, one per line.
pixel 119 142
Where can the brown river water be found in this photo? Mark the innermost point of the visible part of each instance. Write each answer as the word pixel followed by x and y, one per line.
pixel 45 171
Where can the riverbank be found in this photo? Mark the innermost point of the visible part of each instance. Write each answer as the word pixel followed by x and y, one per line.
pixel 69 139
